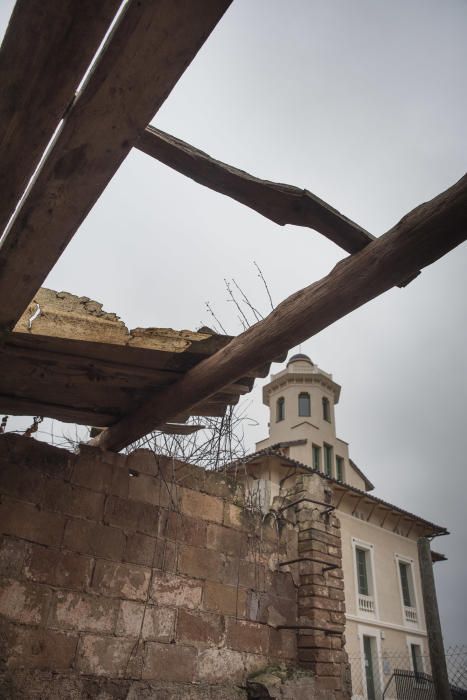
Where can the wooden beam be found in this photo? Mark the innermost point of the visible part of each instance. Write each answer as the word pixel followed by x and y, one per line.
pixel 421 237
pixel 283 204
pixel 148 50
pixel 46 50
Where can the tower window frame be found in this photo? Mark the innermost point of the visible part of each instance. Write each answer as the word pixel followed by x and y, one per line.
pixel 304 404
pixel 280 409
pixel 328 452
pixel 326 409
pixel 339 468
pixel 316 457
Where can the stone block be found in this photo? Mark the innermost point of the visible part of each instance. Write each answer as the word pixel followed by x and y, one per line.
pixel 30 523
pixel 94 539
pixel 58 568
pixel 91 472
pixel 155 491
pixel 12 555
pixel 201 505
pixel 143 461
pixel 169 662
pixel 282 585
pixel 283 644
pixel 226 600
pixel 105 656
pixel 121 580
pixel 140 549
pixel 201 563
pixel 73 500
pixel 225 539
pixel 30 647
pixel 176 526
pixel 166 555
pixel 79 611
pixel 130 619
pixel 131 515
pixel 220 666
pixel 159 624
pixel 22 482
pixel 170 590
pixel 199 628
pixel 276 611
pixel 26 603
pixel 247 636
pixel 40 456
pixel 250 575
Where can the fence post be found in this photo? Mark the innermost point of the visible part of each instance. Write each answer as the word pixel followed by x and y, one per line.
pixel 433 625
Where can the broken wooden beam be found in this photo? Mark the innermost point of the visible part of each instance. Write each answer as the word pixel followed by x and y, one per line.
pixel 149 48
pixel 283 204
pixel 421 237
pixel 47 48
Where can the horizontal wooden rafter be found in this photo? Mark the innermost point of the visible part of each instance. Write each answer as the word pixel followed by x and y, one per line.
pixel 283 204
pixel 147 51
pixel 421 237
pixel 46 50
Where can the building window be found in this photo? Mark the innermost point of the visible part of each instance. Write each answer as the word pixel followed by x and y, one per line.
pixel 304 404
pixel 364 580
pixel 316 457
pixel 339 469
pixel 327 460
pixel 326 410
pixel 416 658
pixel 280 409
pixel 407 591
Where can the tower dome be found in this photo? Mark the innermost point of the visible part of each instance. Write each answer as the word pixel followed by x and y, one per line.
pixel 300 357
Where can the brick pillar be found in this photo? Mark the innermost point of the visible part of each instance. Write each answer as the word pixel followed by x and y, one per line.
pixel 321 593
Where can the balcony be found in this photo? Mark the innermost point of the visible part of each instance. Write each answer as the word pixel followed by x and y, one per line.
pixel 410 614
pixel 366 604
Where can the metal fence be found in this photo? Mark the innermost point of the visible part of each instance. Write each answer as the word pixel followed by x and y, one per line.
pixel 398 676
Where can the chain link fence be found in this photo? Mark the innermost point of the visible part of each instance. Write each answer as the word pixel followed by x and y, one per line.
pixel 395 675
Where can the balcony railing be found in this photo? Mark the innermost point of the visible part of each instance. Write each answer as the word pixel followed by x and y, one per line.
pixel 366 603
pixel 410 614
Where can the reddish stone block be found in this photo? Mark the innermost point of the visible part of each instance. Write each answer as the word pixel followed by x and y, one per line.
pixel 169 662
pixel 73 500
pixel 95 539
pixel 105 656
pixel 199 628
pixel 79 611
pixel 12 555
pixel 177 591
pixel 23 602
pixel 30 647
pixel 140 549
pixel 58 568
pixel 131 515
pixel 282 585
pixel 283 644
pixel 176 526
pixel 250 575
pixel 247 636
pixel 91 472
pixel 30 523
pixel 121 580
pixel 201 505
pixel 130 619
pixel 165 556
pixel 220 666
pixel 227 600
pixel 276 611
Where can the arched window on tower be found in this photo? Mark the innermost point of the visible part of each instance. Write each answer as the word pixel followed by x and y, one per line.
pixel 280 409
pixel 326 410
pixel 304 404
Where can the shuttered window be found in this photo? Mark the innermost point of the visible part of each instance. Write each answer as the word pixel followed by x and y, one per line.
pixel 362 575
pixel 404 570
pixel 304 404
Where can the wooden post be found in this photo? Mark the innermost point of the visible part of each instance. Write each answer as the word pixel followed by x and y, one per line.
pixel 439 669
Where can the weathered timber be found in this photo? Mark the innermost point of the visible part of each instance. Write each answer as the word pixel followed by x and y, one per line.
pixel 69 359
pixel 283 204
pixel 421 237
pixel 46 50
pixel 147 51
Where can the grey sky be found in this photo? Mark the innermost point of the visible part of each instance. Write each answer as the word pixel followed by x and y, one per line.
pixel 364 103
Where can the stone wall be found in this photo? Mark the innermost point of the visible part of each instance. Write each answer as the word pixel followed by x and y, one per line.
pixel 130 577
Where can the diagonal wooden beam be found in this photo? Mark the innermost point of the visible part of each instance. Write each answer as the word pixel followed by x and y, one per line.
pixel 283 204
pixel 421 237
pixel 46 50
pixel 146 53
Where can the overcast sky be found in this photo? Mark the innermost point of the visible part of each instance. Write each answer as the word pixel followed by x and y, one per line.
pixel 363 103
